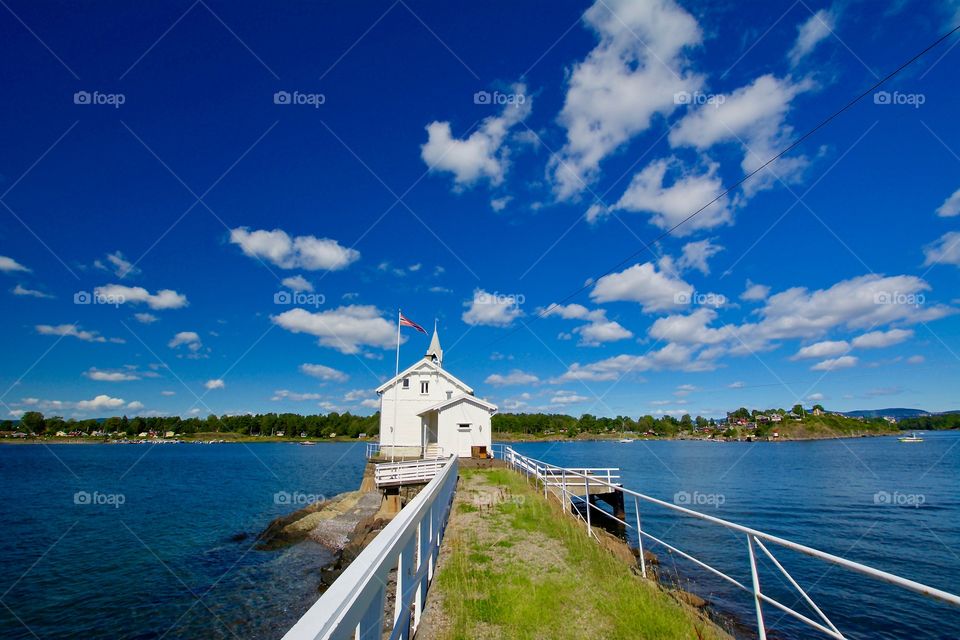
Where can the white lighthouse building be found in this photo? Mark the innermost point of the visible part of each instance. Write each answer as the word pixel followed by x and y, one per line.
pixel 425 411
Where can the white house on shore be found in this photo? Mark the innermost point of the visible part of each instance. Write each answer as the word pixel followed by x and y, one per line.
pixel 426 411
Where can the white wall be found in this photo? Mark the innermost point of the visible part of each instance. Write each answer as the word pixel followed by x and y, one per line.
pixel 410 402
pixel 452 439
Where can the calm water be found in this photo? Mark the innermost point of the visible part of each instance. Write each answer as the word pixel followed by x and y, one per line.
pixel 165 563
pixel 854 498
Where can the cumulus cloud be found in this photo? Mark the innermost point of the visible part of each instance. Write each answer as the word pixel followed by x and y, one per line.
pixel 99 403
pixel 946 250
pixel 215 383
pixel 189 338
pixel 697 254
pixel 632 74
pixel 285 394
pixel 598 330
pixel 110 376
pixel 20 290
pixel 9 265
pixel 162 299
pixel 324 372
pixel 880 339
pixel 753 117
pixel 950 206
pixel 145 318
pixel 297 283
pixel 643 283
pixel 670 204
pixel 674 357
pixel 346 329
pixel 811 33
pixel 120 266
pixel 74 331
pixel 754 292
pixel 482 155
pixel 843 362
pixel 301 252
pixel 515 377
pixel 492 309
pixel 825 349
pixel 567 397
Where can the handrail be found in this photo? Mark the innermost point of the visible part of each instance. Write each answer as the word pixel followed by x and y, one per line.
pixel 546 473
pixel 355 604
pixel 408 471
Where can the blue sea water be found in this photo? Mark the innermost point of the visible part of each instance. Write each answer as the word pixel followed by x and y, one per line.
pixel 876 501
pixel 153 548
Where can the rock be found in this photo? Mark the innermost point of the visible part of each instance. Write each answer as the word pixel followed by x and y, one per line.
pixel 690 599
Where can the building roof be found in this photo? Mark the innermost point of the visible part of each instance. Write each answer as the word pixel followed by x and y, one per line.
pixel 425 361
pixel 435 352
pixel 463 397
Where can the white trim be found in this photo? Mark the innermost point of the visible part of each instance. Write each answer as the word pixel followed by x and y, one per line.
pixel 440 406
pixel 415 366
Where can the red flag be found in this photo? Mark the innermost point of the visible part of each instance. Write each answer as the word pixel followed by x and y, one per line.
pixel 406 322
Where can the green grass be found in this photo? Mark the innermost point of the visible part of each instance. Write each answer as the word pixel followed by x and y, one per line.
pixel 584 592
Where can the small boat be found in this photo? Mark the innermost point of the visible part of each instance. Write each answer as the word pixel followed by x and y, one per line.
pixel 626 440
pixel 307 444
pixel 910 438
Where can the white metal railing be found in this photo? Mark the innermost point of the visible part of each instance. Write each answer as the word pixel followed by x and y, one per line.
pixel 355 605
pixel 408 472
pixel 546 474
pixel 373 449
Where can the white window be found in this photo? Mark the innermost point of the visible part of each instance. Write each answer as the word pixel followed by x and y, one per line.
pixel 449 394
pixel 406 383
pixel 424 387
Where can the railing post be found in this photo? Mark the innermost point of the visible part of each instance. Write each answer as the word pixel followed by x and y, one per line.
pixel 643 561
pixel 544 482
pixel 586 487
pixel 563 490
pixel 761 630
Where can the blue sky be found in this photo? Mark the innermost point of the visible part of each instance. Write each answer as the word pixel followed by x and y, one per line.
pixel 173 173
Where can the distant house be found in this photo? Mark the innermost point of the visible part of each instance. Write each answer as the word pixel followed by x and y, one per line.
pixel 776 417
pixel 817 411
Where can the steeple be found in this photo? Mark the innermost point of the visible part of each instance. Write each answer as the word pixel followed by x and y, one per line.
pixel 435 353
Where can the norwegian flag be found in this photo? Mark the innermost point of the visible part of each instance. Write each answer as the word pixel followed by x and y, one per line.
pixel 407 322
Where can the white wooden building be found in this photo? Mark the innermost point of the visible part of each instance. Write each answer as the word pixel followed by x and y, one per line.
pixel 426 411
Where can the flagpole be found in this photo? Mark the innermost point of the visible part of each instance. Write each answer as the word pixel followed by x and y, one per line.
pixel 396 385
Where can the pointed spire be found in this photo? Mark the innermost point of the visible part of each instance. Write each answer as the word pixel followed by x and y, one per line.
pixel 435 353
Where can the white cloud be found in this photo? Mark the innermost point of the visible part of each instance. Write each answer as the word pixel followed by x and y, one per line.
pixel 755 292
pixel 168 393
pixel 162 299
pixel 297 283
pixel 691 329
pixel 499 204
pixel 214 383
pixel 643 283
pixel 950 206
pixel 671 205
pixel 567 397
pixel 483 154
pixel 880 339
pixel 843 362
pixel 946 250
pixel 301 252
pixel 120 266
pixel 674 357
pixel 145 318
pixel 345 329
pixel 492 309
pixel 918 359
pixel 189 338
pixel 284 394
pixel 110 376
pixel 598 330
pixel 357 394
pixel 323 372
pixel 20 290
pixel 99 403
pixel 810 33
pixel 370 403
pixel 136 405
pixel 71 330
pixel 753 117
pixel 815 397
pixel 632 75
pixel 736 385
pixel 696 254
pixel 825 349
pixel 9 265
pixel 515 377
